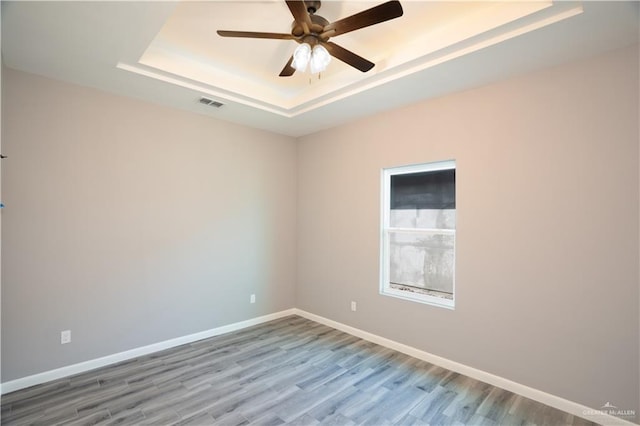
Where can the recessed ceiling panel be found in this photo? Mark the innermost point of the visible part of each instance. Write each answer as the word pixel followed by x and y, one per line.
pixel 188 51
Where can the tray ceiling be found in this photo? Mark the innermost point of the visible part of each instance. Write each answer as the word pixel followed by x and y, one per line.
pixel 169 52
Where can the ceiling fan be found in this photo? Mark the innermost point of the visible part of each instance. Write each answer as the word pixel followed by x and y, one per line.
pixel 313 32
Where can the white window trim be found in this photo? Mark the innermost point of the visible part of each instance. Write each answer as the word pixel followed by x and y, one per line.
pixel 385 289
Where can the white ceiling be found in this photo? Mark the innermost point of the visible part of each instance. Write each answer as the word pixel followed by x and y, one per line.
pixel 169 52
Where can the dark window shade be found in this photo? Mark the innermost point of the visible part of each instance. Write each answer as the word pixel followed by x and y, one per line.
pixel 425 190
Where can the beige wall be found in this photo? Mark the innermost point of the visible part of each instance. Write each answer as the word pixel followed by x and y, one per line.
pixel 547 236
pixel 131 224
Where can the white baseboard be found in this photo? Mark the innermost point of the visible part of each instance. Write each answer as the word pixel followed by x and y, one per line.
pixel 81 367
pixel 565 405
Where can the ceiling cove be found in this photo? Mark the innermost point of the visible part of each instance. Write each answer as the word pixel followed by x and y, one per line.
pixel 187 51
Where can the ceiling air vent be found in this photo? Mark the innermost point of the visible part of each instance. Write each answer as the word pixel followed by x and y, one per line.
pixel 210 102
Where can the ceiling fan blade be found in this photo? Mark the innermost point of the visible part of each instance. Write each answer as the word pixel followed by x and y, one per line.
pixel 250 34
pixel 348 57
pixel 375 15
pixel 299 11
pixel 288 70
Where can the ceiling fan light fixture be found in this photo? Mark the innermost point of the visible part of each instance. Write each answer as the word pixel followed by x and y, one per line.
pixel 301 57
pixel 320 59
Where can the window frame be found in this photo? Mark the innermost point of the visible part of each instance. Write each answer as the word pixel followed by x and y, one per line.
pixel 386 229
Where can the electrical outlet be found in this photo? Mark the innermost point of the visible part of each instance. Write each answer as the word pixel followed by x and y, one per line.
pixel 252 299
pixel 353 306
pixel 65 337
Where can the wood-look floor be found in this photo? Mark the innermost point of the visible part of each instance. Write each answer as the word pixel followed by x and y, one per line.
pixel 288 371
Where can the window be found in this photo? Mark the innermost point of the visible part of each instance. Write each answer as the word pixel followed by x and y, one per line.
pixel 419 232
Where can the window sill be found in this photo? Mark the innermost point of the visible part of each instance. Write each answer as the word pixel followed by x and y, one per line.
pixel 420 298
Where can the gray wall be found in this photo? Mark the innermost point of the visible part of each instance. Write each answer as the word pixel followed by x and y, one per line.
pixel 131 224
pixel 547 227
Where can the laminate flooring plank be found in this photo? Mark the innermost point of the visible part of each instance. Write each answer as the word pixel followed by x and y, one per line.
pixel 35 407
pixel 148 376
pixel 35 391
pixel 399 402
pixel 159 416
pixel 479 420
pixel 362 404
pixel 403 374
pixel 469 399
pixel 91 419
pixel 118 366
pixel 198 419
pixel 331 406
pixel 23 418
pixel 234 407
pixel 54 399
pixel 333 357
pixel 258 355
pixel 63 414
pixel 409 420
pixel 109 399
pixel 180 373
pixel 429 379
pixel 497 404
pixel 204 399
pixel 304 420
pixel 299 403
pixel 5 411
pixel 254 412
pixel 207 378
pixel 288 371
pixel 376 378
pixel 322 376
pixel 347 379
pixel 128 373
pixel 124 418
pixel 231 419
pixel 337 419
pixel 278 377
pixel 268 419
pixel 436 402
pixel 249 395
pixel 287 380
pixel 146 398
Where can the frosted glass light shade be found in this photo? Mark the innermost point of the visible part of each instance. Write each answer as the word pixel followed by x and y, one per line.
pixel 320 58
pixel 301 57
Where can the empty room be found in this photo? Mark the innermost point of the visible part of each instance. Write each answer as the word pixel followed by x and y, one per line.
pixel 312 213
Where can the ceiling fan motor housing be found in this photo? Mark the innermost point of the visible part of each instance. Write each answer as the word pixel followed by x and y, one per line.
pixel 317 26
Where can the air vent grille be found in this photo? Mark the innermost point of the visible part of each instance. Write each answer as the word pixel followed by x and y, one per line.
pixel 210 102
